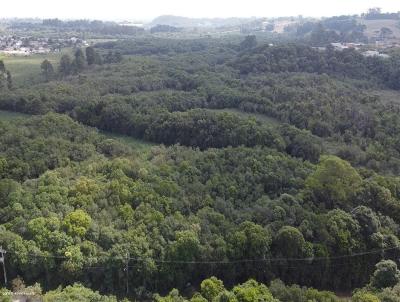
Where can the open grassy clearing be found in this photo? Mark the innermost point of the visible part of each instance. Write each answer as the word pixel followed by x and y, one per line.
pixel 374 26
pixel 388 96
pixel 132 142
pixel 258 116
pixel 9 115
pixel 26 70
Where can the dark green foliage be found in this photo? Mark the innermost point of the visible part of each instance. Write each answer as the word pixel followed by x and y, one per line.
pixel 47 70
pixel 151 46
pixel 65 67
pixel 302 58
pixel 295 293
pixel 9 80
pixel 2 66
pixel 385 275
pixel 90 55
pixel 213 290
pixel 222 204
pixel 164 29
pixel 204 129
pixel 29 148
pixel 78 64
pixel 248 43
pixel 107 29
pixel 94 58
pixel 290 243
pixel 239 190
pixel 134 99
pixel 334 29
pixel 333 183
pixel 6 82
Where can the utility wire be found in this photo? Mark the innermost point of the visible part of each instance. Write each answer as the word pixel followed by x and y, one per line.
pixel 268 259
pixel 281 259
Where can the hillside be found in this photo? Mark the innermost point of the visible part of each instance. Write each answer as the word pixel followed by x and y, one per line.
pixel 178 21
pixel 242 169
pixel 373 27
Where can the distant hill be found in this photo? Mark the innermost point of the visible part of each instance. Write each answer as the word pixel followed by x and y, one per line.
pixel 178 21
pixel 373 27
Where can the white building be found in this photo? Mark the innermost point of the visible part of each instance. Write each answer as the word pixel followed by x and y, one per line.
pixel 375 53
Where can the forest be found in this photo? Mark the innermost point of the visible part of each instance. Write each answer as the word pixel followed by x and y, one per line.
pixel 203 169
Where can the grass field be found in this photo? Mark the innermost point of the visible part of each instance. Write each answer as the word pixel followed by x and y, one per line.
pixel 8 115
pixel 26 70
pixel 374 26
pixel 132 142
pixel 388 96
pixel 259 117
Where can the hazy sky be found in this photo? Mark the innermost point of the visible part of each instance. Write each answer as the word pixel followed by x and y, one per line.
pixel 148 9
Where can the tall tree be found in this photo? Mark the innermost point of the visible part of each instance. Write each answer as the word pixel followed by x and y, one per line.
pixel 65 68
pixel 9 80
pixel 47 70
pixel 5 77
pixel 290 243
pixel 90 55
pixel 2 67
pixel 386 274
pixel 211 288
pixel 333 183
pixel 98 59
pixel 79 61
pixel 2 80
pixel 248 43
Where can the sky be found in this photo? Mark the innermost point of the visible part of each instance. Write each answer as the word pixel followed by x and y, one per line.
pixel 148 9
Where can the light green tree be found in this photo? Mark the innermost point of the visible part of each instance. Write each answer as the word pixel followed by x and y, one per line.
pixel 211 288
pixel 77 223
pixel 251 291
pixel 333 183
pixel 251 241
pixel 173 296
pixel 76 292
pixel 364 296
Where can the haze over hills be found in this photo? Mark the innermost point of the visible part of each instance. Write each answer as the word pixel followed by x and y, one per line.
pixel 283 24
pixel 198 22
pixel 147 10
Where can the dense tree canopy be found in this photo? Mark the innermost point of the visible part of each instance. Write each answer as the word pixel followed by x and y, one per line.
pixel 217 166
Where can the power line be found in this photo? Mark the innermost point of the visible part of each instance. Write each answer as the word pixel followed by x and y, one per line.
pixel 276 261
pixel 279 259
pixel 268 259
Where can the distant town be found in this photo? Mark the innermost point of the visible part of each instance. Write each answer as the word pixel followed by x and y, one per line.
pixel 373 33
pixel 26 46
